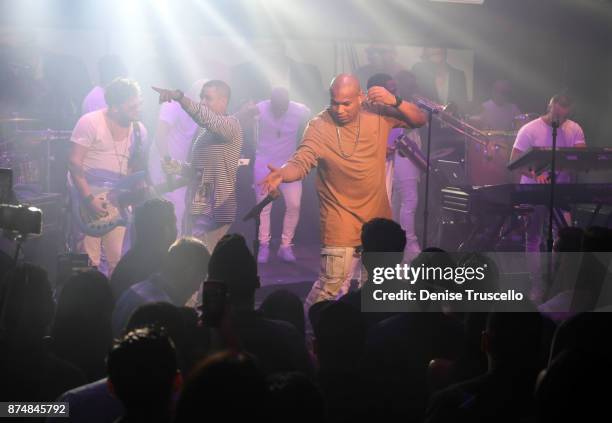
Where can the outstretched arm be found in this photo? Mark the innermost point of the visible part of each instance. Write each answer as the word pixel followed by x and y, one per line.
pixel 278 175
pixel 226 126
pixel 297 167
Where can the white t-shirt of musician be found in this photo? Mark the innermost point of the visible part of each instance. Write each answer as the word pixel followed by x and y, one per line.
pixel 105 158
pixel 278 137
pixel 538 133
pixel 181 131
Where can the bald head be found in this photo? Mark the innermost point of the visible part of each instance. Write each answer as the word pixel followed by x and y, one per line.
pixel 345 82
pixel 345 98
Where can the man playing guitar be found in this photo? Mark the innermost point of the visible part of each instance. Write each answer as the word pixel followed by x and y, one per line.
pixel 107 144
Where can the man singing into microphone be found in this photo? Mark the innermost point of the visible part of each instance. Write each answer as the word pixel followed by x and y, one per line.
pixel 214 161
pixel 347 143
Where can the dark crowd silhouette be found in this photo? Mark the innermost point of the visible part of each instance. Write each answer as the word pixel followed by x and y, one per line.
pixel 155 345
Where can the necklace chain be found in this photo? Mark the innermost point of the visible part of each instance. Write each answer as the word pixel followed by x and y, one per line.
pixel 280 123
pixel 120 159
pixel 346 156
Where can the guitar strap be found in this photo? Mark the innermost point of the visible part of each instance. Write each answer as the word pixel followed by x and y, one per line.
pixel 138 157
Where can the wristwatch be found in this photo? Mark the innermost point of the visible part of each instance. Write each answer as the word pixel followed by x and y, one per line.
pixel 398 101
pixel 89 198
pixel 181 95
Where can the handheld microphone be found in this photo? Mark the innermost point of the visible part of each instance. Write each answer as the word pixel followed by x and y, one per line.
pixel 169 178
pixel 256 210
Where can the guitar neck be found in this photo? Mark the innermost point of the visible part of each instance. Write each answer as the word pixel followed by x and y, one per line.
pixel 142 194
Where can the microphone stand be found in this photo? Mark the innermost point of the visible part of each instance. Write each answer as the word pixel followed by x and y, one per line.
pixel 551 203
pixel 430 113
pixel 553 181
pixel 256 238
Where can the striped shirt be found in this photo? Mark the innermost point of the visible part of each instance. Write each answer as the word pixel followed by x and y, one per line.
pixel 214 162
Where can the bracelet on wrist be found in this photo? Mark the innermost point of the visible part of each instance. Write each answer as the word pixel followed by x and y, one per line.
pixel 398 101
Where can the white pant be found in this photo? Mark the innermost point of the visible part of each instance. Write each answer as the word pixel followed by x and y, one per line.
pixel 111 245
pixel 389 170
pixel 403 196
pixel 292 193
pixel 405 199
pixel 536 222
pixel 177 198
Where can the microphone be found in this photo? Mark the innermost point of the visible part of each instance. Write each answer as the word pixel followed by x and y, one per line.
pixel 256 210
pixel 170 182
pixel 554 120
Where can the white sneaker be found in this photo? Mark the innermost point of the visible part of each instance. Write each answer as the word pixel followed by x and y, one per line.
pixel 264 253
pixel 285 253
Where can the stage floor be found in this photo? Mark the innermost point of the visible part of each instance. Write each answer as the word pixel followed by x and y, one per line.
pixel 296 277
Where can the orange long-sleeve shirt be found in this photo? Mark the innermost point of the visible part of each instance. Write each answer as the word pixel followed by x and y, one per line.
pixel 350 180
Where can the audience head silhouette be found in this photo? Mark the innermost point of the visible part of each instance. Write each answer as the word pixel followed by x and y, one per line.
pixel 185 267
pixel 26 306
pixel 155 224
pixel 232 263
pixel 143 373
pixel 230 384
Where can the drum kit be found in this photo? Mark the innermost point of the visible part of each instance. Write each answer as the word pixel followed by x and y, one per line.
pixel 28 151
pixel 487 162
pixel 484 153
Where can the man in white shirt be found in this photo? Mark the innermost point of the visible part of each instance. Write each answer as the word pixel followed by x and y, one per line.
pixel 538 133
pixel 279 128
pixel 109 67
pixel 401 175
pixel 498 112
pixel 105 146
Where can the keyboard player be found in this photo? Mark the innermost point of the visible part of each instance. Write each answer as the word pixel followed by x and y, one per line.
pixel 538 133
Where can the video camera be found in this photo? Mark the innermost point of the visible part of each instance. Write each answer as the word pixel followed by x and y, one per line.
pixel 16 219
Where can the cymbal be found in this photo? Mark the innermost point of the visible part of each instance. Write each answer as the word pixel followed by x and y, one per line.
pixel 18 120
pixel 43 135
pixel 501 134
pixel 442 153
pixel 525 116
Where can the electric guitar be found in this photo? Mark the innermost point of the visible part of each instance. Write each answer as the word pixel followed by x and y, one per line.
pixel 409 149
pixel 118 198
